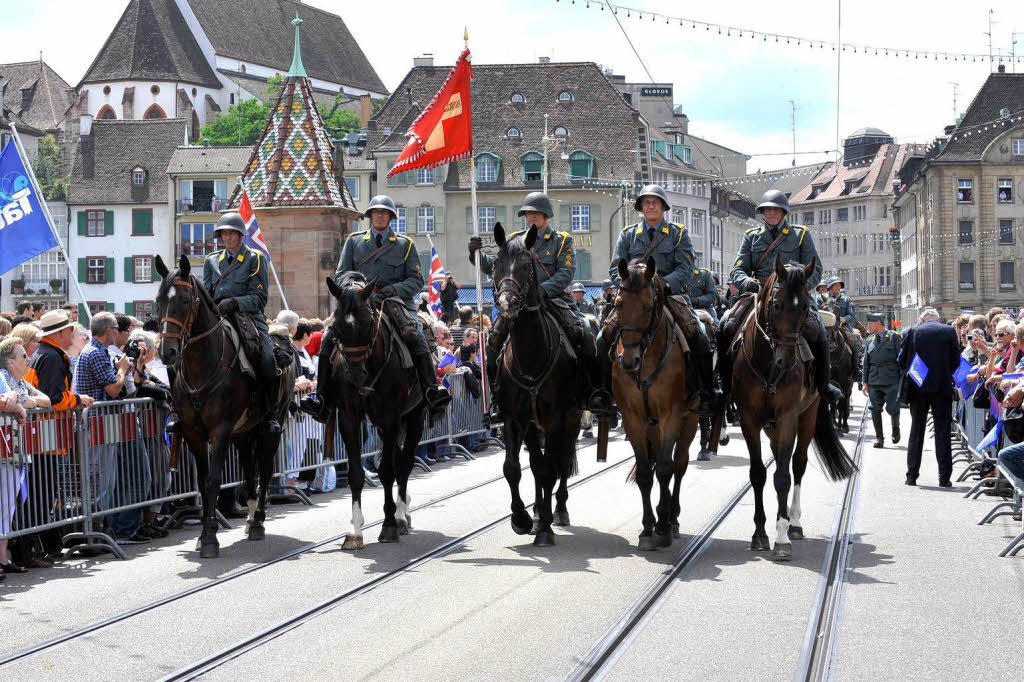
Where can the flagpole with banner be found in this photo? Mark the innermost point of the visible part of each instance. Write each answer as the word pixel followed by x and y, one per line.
pixel 254 238
pixel 49 218
pixel 476 221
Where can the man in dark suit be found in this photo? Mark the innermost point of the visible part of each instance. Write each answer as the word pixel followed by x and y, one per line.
pixel 937 346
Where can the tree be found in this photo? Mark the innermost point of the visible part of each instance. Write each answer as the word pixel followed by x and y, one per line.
pixel 241 125
pixel 275 82
pixel 340 121
pixel 47 169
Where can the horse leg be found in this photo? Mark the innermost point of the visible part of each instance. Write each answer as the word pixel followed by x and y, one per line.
pixel 245 445
pixel 546 467
pixel 796 530
pixel 406 461
pixel 521 522
pixel 758 476
pixel 201 457
pixel 681 461
pixel 663 469
pixel 782 445
pixel 349 429
pixel 386 472
pixel 644 475
pixel 209 548
pixel 266 449
pixel 561 500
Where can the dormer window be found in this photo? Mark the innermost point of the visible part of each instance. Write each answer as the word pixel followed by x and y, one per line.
pixel 561 131
pixel 581 165
pixel 533 167
pixel 138 176
pixel 517 98
pixel 513 134
pixel 565 96
pixel 488 166
pixel 816 190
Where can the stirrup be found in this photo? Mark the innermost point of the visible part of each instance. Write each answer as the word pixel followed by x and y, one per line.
pixel 315 406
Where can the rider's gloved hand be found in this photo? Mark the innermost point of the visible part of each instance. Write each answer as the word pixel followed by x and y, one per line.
pixel 383 293
pixel 753 286
pixel 227 306
pixel 475 244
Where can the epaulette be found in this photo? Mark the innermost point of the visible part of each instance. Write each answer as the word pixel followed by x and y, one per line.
pixel 752 230
pixel 356 234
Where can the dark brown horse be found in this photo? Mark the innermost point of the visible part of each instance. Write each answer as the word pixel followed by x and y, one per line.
pixel 649 384
pixel 841 359
pixel 778 395
pixel 369 376
pixel 216 401
pixel 536 376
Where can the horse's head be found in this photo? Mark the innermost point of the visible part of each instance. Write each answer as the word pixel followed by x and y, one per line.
pixel 637 307
pixel 515 274
pixel 786 304
pixel 353 323
pixel 178 303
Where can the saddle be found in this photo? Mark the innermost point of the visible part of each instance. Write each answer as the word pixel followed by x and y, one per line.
pixel 240 347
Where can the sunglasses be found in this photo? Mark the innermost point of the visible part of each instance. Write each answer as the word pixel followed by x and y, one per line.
pixel 1001 334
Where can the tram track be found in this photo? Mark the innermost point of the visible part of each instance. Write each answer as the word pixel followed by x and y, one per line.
pixel 127 614
pixel 215 660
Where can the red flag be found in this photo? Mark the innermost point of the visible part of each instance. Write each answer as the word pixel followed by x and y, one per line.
pixel 443 132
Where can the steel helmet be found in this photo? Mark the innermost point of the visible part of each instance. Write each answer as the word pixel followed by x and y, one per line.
pixel 537 201
pixel 653 191
pixel 834 280
pixel 773 198
pixel 381 201
pixel 578 286
pixel 230 221
pixel 606 285
pixel 823 284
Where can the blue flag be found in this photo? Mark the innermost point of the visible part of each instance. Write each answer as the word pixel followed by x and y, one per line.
pixel 918 370
pixel 992 437
pixel 960 375
pixel 24 230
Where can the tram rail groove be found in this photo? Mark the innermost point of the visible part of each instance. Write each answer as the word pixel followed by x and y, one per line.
pixel 117 618
pixel 215 660
pixel 819 641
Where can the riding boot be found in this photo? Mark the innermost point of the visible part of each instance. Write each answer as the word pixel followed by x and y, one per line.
pixel 705 440
pixel 700 368
pixel 271 376
pixel 495 342
pixel 818 342
pixel 876 419
pixel 318 405
pixel 435 394
pixel 895 428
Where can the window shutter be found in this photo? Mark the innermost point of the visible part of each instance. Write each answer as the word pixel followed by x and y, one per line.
pixel 83 270
pixel 142 221
pixel 595 217
pixel 582 265
pixel 469 219
pixel 110 271
pixel 129 269
pixel 565 217
pixel 499 216
pixel 129 308
pixel 108 224
pixel 83 313
pixel 497 169
pixel 439 219
pixel 109 307
pixel 83 224
pixel 425 266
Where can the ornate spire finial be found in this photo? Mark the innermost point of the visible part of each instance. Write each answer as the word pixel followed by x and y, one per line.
pixel 297 70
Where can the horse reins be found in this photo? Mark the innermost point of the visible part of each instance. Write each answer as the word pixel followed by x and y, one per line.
pixel 657 322
pixel 186 339
pixel 775 343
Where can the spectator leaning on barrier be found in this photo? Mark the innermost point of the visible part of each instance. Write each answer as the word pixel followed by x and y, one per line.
pixel 10 475
pixel 467 319
pixel 50 366
pixel 305 370
pixel 14 365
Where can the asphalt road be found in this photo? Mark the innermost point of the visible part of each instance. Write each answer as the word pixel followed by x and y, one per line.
pixel 496 607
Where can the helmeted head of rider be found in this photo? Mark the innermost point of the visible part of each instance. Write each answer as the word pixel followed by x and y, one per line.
pixel 578 290
pixel 822 288
pixel 774 207
pixel 381 211
pixel 230 229
pixel 537 210
pixel 835 285
pixel 876 323
pixel 653 203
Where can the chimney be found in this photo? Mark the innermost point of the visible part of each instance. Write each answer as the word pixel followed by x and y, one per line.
pixel 365 110
pixel 206 142
pixel 544 60
pixel 85 125
pixel 948 130
pixel 423 60
pixel 1002 68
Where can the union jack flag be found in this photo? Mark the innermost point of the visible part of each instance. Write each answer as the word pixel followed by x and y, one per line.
pixel 253 236
pixel 437 276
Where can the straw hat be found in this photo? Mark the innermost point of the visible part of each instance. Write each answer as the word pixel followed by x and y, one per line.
pixel 54 321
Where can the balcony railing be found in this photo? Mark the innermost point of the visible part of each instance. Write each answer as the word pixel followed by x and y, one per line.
pixel 875 291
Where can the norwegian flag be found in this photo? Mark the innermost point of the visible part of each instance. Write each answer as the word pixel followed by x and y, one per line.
pixel 253 236
pixel 437 276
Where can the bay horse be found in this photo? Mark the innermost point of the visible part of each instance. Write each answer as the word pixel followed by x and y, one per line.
pixel 779 396
pixel 216 401
pixel 369 375
pixel 649 385
pixel 536 389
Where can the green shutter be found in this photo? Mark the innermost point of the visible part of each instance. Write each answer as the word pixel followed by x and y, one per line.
pixel 108 224
pixel 497 169
pixel 142 221
pixel 83 315
pixel 595 218
pixel 565 217
pixel 425 266
pixel 499 215
pixel 583 266
pixel 129 308
pixel 439 220
pixel 129 269
pixel 83 270
pixel 83 224
pixel 109 307
pixel 469 219
pixel 110 270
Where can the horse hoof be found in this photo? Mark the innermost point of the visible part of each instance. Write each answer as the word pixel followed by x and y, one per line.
pixel 535 527
pixel 561 518
pixel 352 542
pixel 796 533
pixel 663 540
pixel 783 552
pixel 759 543
pixel 403 527
pixel 545 538
pixel 257 533
pixel 209 551
pixel 675 532
pixel 648 543
pixel 388 534
pixel 521 523
pixel 199 545
pixel 724 440
pixel 703 456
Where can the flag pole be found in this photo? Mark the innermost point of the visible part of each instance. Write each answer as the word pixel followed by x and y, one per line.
pixel 49 218
pixel 270 260
pixel 476 223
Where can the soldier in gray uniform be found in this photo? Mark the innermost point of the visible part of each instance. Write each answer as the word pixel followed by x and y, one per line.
pixel 579 297
pixel 604 304
pixel 236 277
pixel 820 295
pixel 392 258
pixel 843 307
pixel 704 292
pixel 555 267
pixel 670 246
pixel 881 376
pixel 793 244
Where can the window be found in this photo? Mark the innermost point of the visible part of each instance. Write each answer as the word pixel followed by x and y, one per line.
pixel 698 259
pixel 842 215
pixel 1007 277
pixel 202 196
pixel 964 191
pixel 581 165
pixel 155 89
pixel 679 216
pixel 716 237
pixel 97 307
pixel 965 235
pixel 966 275
pixel 860 212
pixel 581 217
pixel 697 222
pixel 197 239
pixel 808 217
pixel 825 216
pixel 398 224
pixel 486 216
pixel 232 99
pixel 154 112
pixel 143 270
pixel 561 131
pixel 486 168
pixel 848 187
pixel 106 113
pixel 517 98
pixel 1006 231
pixel 533 166
pixel 1017 146
pixel 1005 190
pixel 425 219
pixel 424 176
pixel 513 134
pixel 684 153
pixel 353 187
pixel 565 96
pixel 144 310
pixel 138 176
pixel 97 270
pixel 96 221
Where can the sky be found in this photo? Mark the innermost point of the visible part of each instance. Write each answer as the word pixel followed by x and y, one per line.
pixel 736 91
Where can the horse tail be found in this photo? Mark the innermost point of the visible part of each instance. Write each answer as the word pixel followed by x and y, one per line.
pixel 829 448
pixel 631 476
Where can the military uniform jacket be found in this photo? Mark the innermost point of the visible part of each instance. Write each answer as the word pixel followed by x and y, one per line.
pixel 880 353
pixel 796 246
pixel 557 260
pixel 242 277
pixel 818 301
pixel 703 292
pixel 673 255
pixel 587 307
pixel 844 308
pixel 397 264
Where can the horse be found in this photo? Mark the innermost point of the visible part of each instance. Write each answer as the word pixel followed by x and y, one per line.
pixel 369 375
pixel 536 375
pixel 841 360
pixel 216 400
pixel 779 396
pixel 649 385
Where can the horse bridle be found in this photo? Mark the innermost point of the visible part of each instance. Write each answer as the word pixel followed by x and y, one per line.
pixel 359 353
pixel 509 284
pixel 657 312
pixel 186 339
pixel 778 343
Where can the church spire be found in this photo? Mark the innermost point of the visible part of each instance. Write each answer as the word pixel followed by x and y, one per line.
pixel 297 70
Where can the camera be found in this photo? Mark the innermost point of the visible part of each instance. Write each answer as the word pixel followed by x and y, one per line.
pixel 132 349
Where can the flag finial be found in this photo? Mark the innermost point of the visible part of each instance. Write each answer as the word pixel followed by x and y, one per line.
pixel 297 70
pixel 465 36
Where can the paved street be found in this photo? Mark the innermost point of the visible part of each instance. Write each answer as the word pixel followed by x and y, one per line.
pixel 495 607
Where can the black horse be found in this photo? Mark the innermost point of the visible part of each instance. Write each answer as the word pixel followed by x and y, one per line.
pixel 841 360
pixel 535 373
pixel 368 372
pixel 216 400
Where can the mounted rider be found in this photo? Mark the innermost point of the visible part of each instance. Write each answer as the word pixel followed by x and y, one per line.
pixel 391 258
pixel 555 265
pixel 579 299
pixel 760 247
pixel 236 277
pixel 604 304
pixel 704 292
pixel 820 295
pixel 846 316
pixel 670 246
